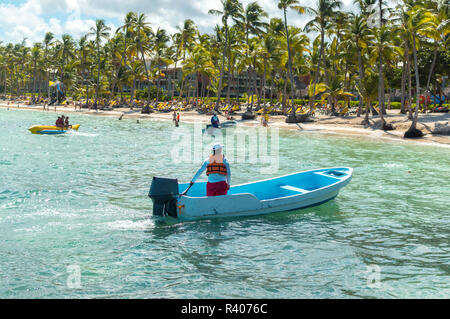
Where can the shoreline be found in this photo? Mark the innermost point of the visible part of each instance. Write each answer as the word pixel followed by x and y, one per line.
pixel 348 126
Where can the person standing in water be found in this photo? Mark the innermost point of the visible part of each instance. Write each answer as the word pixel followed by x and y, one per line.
pixel 218 172
pixel 215 121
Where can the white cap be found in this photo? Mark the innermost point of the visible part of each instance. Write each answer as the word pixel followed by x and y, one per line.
pixel 217 147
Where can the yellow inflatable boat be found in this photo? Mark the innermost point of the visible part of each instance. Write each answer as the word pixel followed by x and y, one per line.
pixel 51 129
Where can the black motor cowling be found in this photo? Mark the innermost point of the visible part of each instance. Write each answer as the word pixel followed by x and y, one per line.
pixel 164 192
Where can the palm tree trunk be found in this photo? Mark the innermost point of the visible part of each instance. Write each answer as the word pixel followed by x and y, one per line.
pixel 283 102
pixel 146 72
pixel 430 74
pixel 360 78
pixel 33 98
pixel 402 106
pixel 316 78
pixel 123 58
pixel 229 82
pixel 289 62
pixel 264 87
pixel 98 76
pixel 409 88
pixel 132 92
pixel 416 69
pixel 219 88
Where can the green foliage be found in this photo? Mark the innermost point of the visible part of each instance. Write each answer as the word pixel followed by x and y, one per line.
pixel 143 94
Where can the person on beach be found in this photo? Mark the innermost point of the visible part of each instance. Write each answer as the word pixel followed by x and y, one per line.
pixel 265 119
pixel 218 172
pixel 177 120
pixel 174 116
pixel 215 121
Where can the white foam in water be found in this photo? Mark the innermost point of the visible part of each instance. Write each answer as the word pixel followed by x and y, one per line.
pixel 129 224
pixel 81 133
pixel 392 165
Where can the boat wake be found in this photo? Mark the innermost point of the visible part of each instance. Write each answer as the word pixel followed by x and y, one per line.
pixel 129 224
pixel 81 134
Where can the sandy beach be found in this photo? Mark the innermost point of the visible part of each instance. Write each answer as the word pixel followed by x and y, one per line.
pixel 349 125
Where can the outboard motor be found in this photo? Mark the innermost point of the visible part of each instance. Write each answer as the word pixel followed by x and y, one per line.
pixel 164 192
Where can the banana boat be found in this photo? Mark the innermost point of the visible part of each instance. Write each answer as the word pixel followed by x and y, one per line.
pixel 51 129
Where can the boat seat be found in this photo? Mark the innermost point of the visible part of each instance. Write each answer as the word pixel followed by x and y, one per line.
pixel 294 189
pixel 332 173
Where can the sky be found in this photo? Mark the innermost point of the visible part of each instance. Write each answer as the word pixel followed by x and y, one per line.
pixel 31 19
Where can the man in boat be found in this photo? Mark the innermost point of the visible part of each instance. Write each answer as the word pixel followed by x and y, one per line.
pixel 215 121
pixel 218 172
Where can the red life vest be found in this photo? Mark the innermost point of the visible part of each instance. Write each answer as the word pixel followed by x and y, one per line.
pixel 216 168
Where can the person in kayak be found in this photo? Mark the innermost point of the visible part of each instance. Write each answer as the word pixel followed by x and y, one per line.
pixel 218 172
pixel 215 121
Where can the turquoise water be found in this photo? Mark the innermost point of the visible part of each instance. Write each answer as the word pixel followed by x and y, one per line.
pixel 81 199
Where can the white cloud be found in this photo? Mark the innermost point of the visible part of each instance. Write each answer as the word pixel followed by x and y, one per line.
pixel 33 18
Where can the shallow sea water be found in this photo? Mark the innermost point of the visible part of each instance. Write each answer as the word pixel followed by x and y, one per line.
pixel 81 199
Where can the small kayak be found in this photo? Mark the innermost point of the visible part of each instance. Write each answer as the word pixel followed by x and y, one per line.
pixel 51 129
pixel 284 193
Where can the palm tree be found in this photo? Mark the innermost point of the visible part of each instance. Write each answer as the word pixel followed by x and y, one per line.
pixel 35 56
pixel 230 9
pixel 143 37
pixel 48 38
pixel 160 40
pixel 384 47
pixel 358 37
pixel 420 22
pixel 185 38
pixel 284 5
pixel 100 32
pixel 367 88
pixel 128 23
pixel 65 52
pixel 441 15
pixel 200 64
pixel 83 53
pixel 323 13
pixel 250 22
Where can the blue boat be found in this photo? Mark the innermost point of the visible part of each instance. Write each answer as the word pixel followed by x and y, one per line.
pixel 284 193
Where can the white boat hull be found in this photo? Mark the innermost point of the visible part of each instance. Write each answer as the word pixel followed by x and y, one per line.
pixel 252 201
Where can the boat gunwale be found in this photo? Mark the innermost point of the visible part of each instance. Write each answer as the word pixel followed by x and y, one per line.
pixel 349 175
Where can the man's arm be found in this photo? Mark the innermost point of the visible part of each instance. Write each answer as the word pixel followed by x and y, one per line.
pixel 200 170
pixel 225 161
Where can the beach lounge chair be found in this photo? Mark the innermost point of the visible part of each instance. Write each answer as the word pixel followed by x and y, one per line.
pixel 344 111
